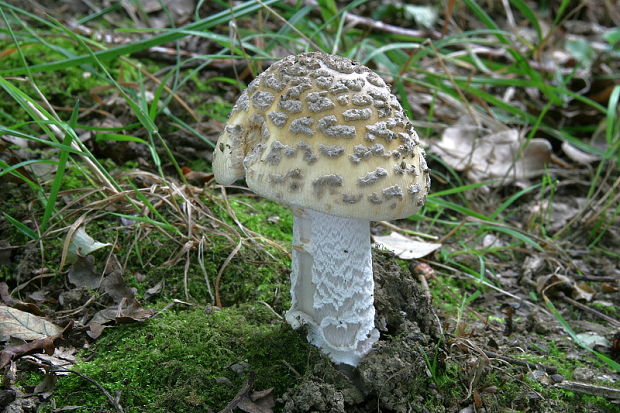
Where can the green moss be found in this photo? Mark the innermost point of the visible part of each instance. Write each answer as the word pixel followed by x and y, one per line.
pixel 608 308
pixel 265 217
pixel 60 87
pixel 180 360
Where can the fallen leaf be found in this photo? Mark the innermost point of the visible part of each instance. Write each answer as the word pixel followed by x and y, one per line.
pixel 257 402
pixel 24 326
pixel 251 401
pixel 40 345
pixel 558 213
pixel 485 154
pixel 82 244
pixel 583 292
pixel 196 176
pixel 20 305
pixel 116 287
pixel 46 387
pixel 83 274
pixel 553 284
pixel 592 339
pixel 63 357
pixel 405 247
pixel 127 311
pixel 578 155
pixel 154 290
pixel 6 251
pixel 95 330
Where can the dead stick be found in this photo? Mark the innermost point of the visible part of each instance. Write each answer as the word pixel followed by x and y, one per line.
pixel 511 360
pixel 239 396
pixel 590 310
pixel 594 390
pixel 113 400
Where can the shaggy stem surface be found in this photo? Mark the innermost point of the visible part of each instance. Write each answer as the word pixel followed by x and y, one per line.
pixel 332 285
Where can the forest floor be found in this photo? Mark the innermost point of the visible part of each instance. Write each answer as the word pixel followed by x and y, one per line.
pixel 132 282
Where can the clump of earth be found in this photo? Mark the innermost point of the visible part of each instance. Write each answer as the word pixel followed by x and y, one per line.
pixel 395 375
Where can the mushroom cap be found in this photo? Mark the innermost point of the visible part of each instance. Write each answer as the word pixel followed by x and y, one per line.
pixel 324 132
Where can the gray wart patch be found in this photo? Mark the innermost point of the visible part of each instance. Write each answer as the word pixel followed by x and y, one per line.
pixel 375 79
pixel 372 177
pixel 414 189
pixel 343 100
pixel 380 129
pixel 294 174
pixel 300 85
pixel 393 191
pixel 278 118
pixel 340 64
pixel 318 102
pixel 357 114
pixel 324 182
pixel 360 152
pixel 291 106
pixel 275 153
pixel 324 82
pixel 273 82
pixel 289 151
pixel 302 126
pixel 262 100
pixel 351 199
pixel 360 99
pixel 374 198
pixel 308 155
pixel 354 84
pixel 331 151
pixel 328 126
pixel 338 88
pixel 242 102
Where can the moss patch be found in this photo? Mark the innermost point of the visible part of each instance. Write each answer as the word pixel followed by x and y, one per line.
pixel 181 360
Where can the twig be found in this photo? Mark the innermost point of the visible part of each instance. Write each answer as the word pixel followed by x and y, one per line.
pixel 272 310
pixel 596 278
pixel 592 389
pixel 590 310
pixel 511 360
pixel 201 262
pixel 407 231
pixel 292 27
pixel 218 278
pixel 354 19
pixel 239 396
pixel 488 284
pixel 113 400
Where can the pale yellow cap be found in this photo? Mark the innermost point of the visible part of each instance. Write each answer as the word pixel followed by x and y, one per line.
pixel 324 132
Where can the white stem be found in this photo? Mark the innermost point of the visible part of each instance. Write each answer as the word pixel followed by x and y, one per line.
pixel 332 287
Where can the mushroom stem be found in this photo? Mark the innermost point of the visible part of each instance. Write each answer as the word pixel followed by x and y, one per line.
pixel 332 287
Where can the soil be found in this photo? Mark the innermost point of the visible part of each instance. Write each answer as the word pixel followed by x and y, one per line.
pixel 410 333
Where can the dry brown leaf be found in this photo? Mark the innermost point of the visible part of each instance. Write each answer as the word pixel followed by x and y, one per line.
pixel 578 155
pixel 20 305
pixel 558 213
pixel 116 287
pixel 40 345
pixel 484 154
pixel 405 247
pixel 257 402
pixel 127 311
pixel 83 274
pixel 24 326
pixel 82 244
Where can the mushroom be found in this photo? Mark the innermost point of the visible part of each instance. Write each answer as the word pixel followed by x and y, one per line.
pixel 324 135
